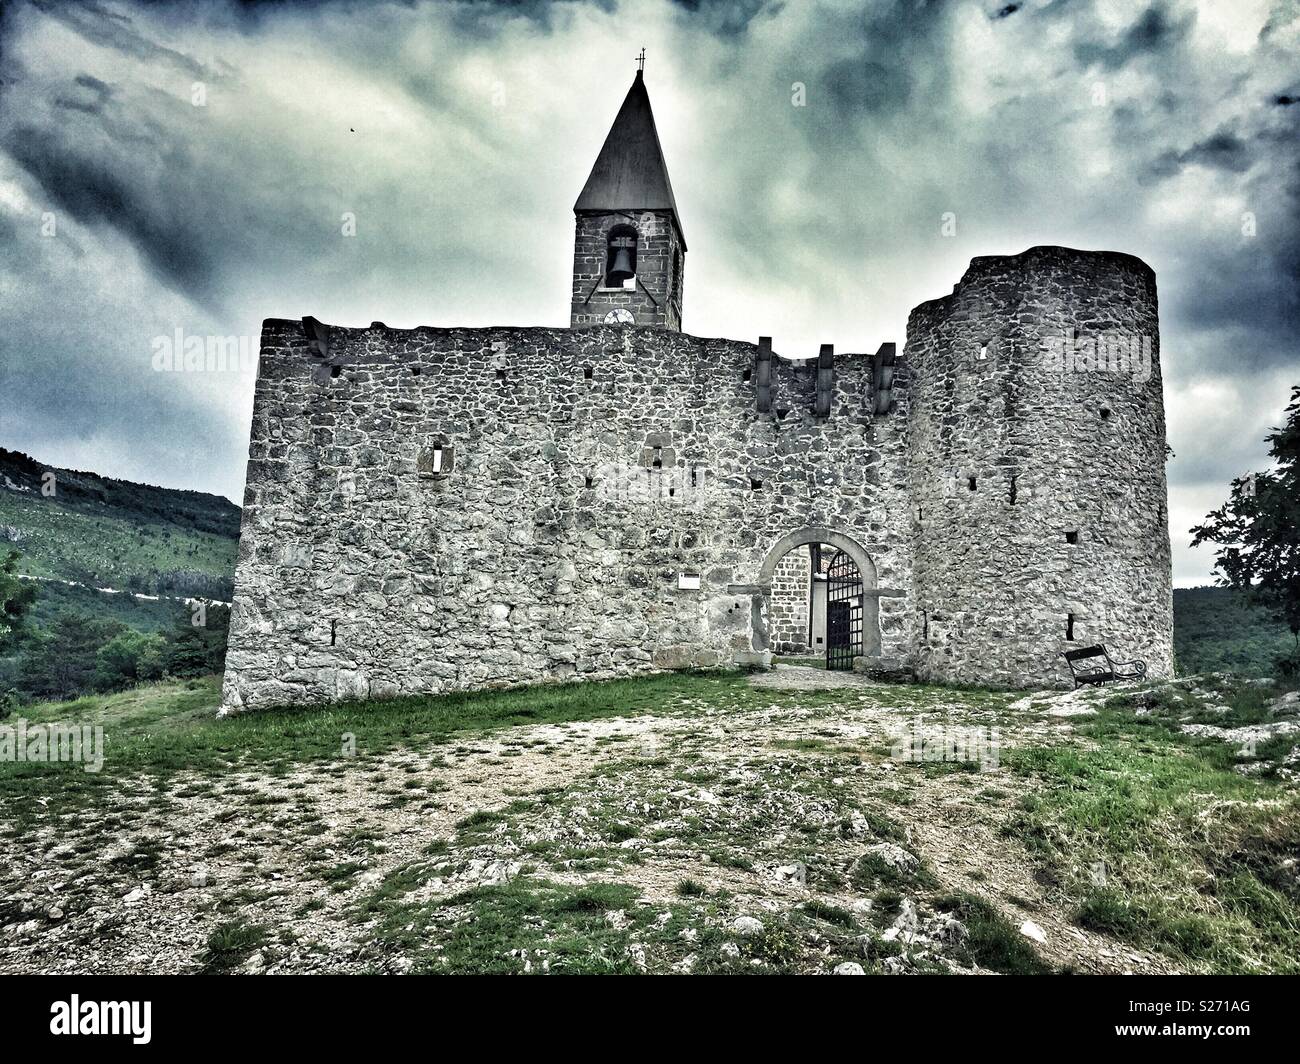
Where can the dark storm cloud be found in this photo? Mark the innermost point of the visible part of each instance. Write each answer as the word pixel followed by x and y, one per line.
pixel 117 30
pixel 90 101
pixel 727 18
pixel 896 48
pixel 1155 31
pixel 95 193
pixel 1225 150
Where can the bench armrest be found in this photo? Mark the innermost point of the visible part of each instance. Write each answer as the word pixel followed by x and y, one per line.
pixel 1139 668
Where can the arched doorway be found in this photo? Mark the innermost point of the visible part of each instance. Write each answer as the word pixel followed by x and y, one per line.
pixel 857 611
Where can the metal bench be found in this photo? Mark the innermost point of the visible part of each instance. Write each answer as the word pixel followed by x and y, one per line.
pixel 1095 665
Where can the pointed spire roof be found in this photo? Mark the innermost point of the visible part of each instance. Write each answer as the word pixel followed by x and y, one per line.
pixel 630 173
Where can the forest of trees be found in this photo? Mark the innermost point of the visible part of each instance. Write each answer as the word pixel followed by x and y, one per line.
pixel 79 654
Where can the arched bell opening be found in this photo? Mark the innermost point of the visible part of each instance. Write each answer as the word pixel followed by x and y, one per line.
pixel 620 257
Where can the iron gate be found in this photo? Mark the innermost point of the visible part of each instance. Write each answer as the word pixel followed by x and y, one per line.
pixel 843 612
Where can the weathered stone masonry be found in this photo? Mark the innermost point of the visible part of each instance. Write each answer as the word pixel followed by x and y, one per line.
pixel 789 602
pixel 438 509
pixel 1037 454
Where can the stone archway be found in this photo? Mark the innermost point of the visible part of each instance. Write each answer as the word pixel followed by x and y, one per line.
pixel 762 588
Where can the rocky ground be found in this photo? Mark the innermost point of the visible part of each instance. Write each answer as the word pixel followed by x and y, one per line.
pixel 867 831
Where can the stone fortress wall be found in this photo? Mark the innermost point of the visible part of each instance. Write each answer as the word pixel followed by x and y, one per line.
pixel 438 509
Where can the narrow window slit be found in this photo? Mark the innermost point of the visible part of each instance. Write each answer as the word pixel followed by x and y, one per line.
pixel 971 483
pixel 1069 627
pixel 1013 491
pixel 334 633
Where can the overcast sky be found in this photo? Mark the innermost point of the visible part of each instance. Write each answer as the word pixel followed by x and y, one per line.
pixel 189 165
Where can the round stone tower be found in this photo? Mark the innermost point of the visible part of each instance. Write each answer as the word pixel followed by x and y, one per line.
pixel 1037 469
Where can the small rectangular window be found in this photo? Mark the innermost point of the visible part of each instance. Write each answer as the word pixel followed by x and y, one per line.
pixel 972 483
pixel 437 459
pixel 1072 537
pixel 688 581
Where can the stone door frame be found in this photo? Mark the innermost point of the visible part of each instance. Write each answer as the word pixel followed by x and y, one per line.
pixel 760 592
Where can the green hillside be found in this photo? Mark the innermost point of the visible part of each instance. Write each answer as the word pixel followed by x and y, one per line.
pixel 114 563
pixel 105 533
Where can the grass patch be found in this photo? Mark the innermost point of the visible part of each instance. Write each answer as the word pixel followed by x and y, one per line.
pixel 525 925
pixel 832 914
pixel 232 943
pixel 991 942
pixel 1160 843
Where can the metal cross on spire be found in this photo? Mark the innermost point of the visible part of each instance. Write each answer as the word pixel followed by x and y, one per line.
pixel 641 59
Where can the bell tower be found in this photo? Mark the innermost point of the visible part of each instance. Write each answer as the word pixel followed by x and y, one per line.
pixel 628 249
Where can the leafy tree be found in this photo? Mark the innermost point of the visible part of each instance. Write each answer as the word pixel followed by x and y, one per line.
pixel 15 597
pixel 196 650
pixel 1258 530
pixel 64 663
pixel 128 658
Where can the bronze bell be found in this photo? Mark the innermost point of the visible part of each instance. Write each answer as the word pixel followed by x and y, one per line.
pixel 621 268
